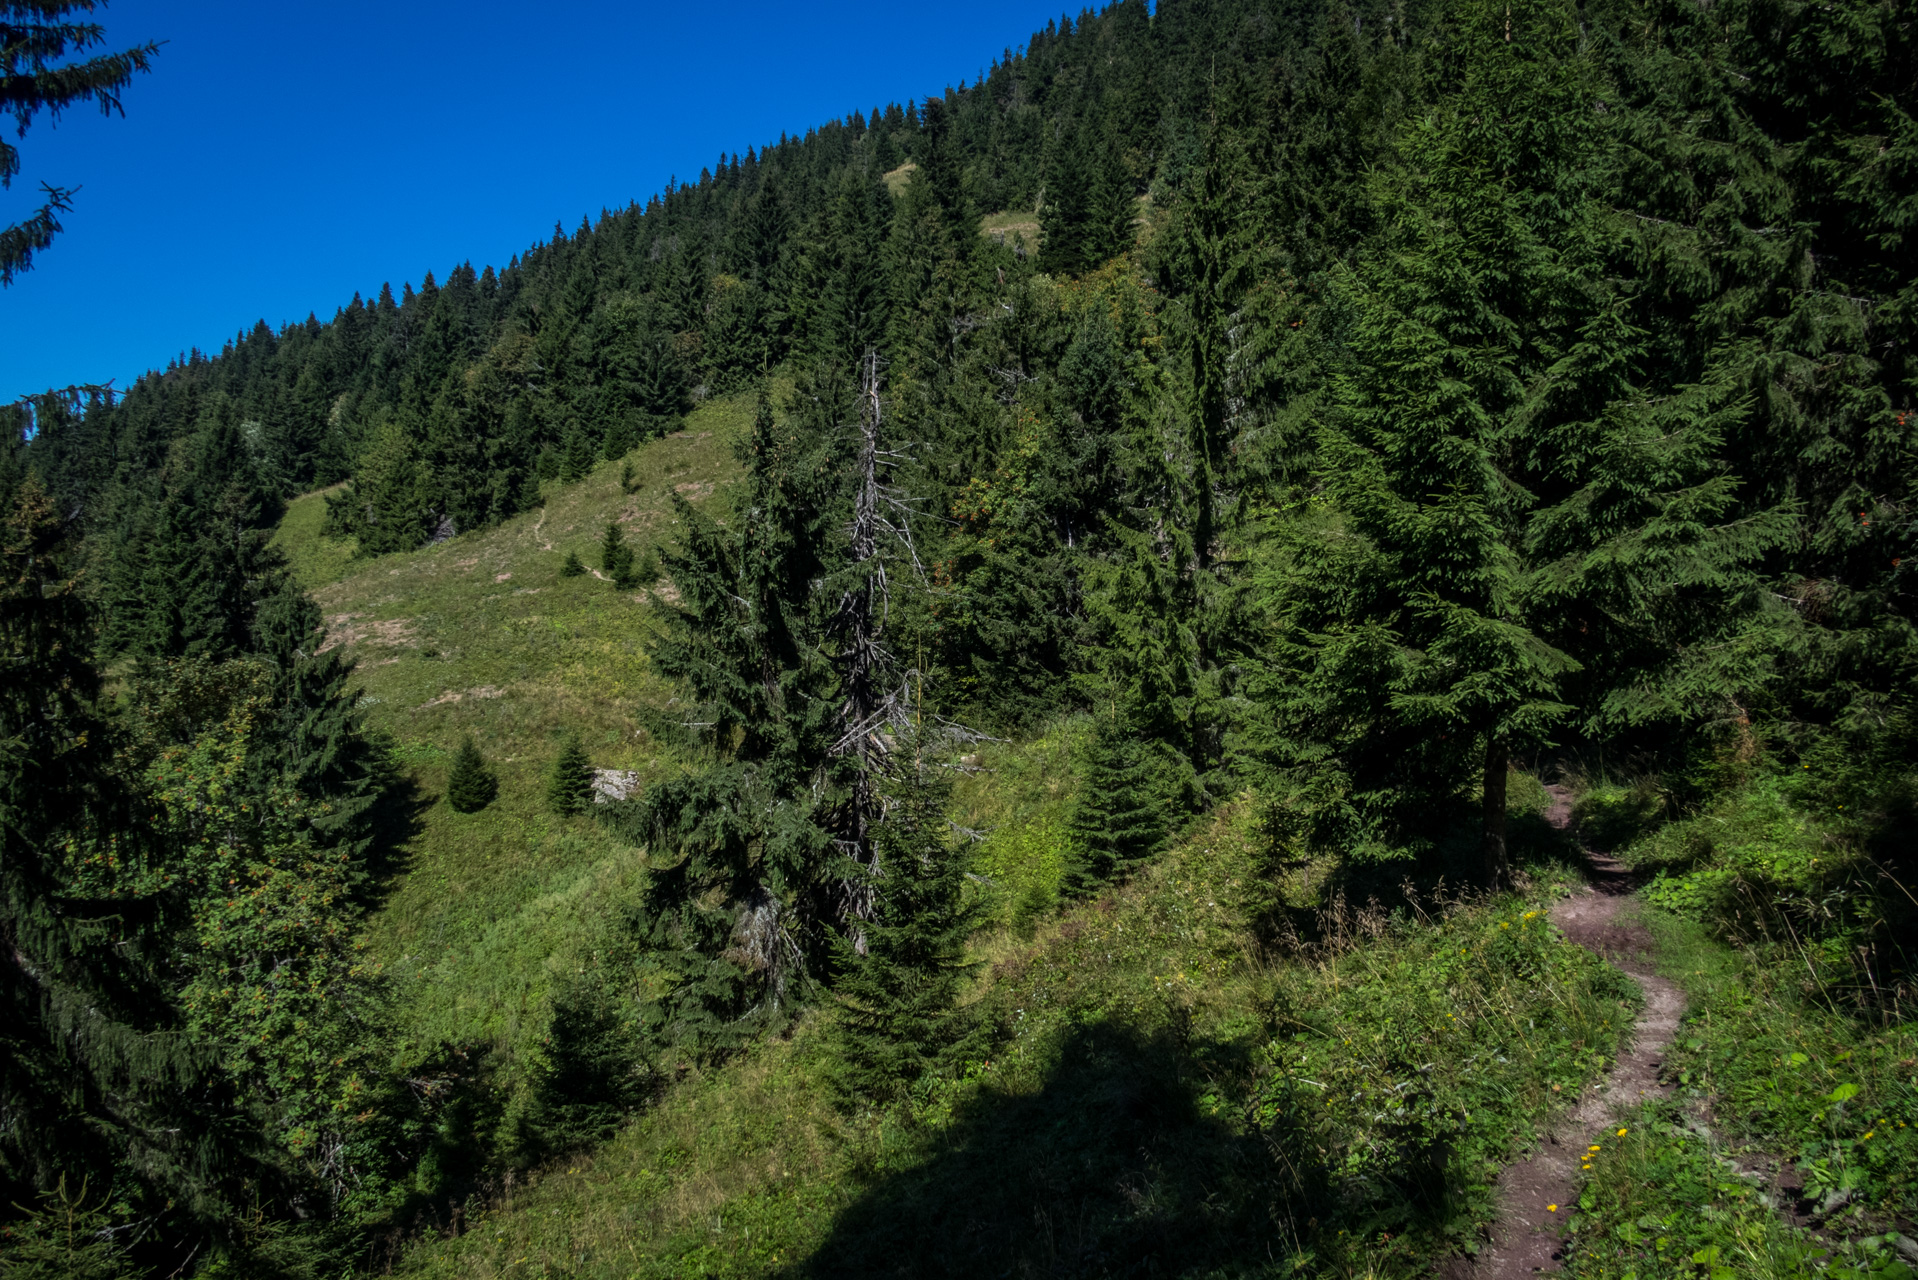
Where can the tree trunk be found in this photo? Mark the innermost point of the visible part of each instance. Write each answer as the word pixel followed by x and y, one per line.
pixel 1498 762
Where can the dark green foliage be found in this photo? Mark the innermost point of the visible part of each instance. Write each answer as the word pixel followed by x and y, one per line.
pixel 1088 212
pixel 905 965
pixel 569 783
pixel 68 1237
pixel 1065 219
pixel 390 505
pixel 470 786
pixel 314 740
pixel 1118 813
pixel 572 566
pixel 616 558
pixel 93 1070
pixel 744 871
pixel 591 1072
pixel 577 453
pixel 1504 507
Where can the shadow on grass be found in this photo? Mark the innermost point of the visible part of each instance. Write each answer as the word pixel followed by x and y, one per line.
pixel 1113 1168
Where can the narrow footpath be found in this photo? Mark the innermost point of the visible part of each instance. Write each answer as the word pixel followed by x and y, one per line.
pixel 1527 1235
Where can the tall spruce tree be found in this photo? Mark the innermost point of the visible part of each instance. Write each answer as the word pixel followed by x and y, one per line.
pixel 1494 479
pixel 1068 238
pixel 746 869
pixel 96 1079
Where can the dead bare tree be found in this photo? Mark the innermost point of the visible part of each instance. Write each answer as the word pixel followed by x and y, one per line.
pixel 875 695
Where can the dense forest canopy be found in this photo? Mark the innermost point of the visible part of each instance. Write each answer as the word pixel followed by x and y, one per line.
pixel 1338 403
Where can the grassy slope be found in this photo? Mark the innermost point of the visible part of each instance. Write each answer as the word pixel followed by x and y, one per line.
pixel 1154 1086
pixel 481 635
pixel 1138 1054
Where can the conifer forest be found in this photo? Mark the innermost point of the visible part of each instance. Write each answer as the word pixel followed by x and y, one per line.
pixel 1202 657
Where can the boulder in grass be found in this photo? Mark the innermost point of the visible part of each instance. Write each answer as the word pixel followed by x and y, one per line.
pixel 613 785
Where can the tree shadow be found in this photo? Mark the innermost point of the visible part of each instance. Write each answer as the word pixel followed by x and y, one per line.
pixel 1113 1168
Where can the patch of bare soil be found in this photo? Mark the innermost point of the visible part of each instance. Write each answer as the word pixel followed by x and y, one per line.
pixel 1535 1194
pixel 347 629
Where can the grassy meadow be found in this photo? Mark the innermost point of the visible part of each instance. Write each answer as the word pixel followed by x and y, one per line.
pixel 481 635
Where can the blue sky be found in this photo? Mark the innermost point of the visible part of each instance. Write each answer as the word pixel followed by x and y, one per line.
pixel 284 154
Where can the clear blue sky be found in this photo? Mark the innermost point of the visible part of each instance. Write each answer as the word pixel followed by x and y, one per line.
pixel 283 154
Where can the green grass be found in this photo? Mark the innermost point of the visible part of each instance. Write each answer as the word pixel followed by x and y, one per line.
pixel 1666 1199
pixel 482 635
pixel 897 179
pixel 1015 226
pixel 1786 1055
pixel 316 560
pixel 1832 1093
pixel 1157 1095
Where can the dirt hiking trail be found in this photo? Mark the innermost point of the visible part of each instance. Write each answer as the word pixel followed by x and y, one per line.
pixel 1527 1236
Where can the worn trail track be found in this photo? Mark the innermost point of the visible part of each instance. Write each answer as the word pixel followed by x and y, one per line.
pixel 1527 1237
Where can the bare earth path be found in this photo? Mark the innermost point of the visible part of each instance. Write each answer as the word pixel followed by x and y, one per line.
pixel 1527 1235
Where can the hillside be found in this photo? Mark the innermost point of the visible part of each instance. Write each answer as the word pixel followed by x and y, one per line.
pixel 483 636
pixel 1276 640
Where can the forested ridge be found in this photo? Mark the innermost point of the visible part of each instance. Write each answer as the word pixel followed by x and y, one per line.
pixel 1197 480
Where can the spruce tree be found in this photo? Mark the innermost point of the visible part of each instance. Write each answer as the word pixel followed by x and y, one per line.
pixel 577 451
pixel 572 566
pixel 1110 211
pixel 1066 216
pixel 745 875
pixel 471 786
pixel 569 784
pixel 392 505
pixel 615 557
pixel 1117 817
pixel 96 1081
pixel 313 739
pixel 897 1015
pixel 1502 500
